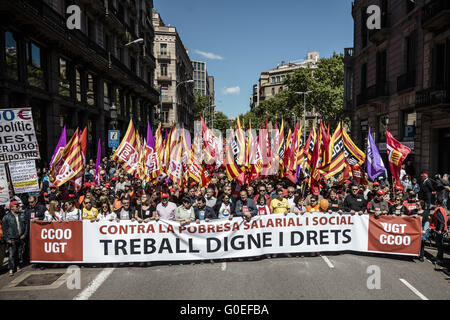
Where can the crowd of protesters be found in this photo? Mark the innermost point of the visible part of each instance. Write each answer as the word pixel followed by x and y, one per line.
pixel 120 196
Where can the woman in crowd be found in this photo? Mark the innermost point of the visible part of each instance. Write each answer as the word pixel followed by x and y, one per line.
pixel 299 206
pixel 53 214
pixel 145 211
pixel 185 213
pixel 397 208
pixel 105 213
pixel 263 208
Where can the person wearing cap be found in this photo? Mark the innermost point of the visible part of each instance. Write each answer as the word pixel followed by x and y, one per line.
pixel 14 229
pixel 378 206
pixel 315 192
pixel 54 193
pixel 166 209
pixel 354 202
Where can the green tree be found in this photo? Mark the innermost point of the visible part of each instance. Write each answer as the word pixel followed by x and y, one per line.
pixel 327 85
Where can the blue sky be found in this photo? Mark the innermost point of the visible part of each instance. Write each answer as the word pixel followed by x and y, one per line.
pixel 240 39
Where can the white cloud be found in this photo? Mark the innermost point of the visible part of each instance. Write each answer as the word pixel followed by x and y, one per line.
pixel 209 55
pixel 232 90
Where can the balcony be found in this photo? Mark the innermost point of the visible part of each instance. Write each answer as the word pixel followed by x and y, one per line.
pixel 166 77
pixel 149 60
pixel 348 55
pixel 113 20
pixel 406 81
pixel 377 36
pixel 378 90
pixel 166 99
pixel 163 56
pixel 436 16
pixel 432 97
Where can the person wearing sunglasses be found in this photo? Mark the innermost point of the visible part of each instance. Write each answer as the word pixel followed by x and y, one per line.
pixel 89 212
pixel 354 202
pixel 262 191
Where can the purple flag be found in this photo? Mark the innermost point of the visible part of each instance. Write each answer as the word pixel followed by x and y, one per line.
pixel 60 146
pixel 97 164
pixel 150 138
pixel 375 165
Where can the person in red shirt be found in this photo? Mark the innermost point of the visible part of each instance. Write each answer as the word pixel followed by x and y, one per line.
pixel 262 192
pixel 410 205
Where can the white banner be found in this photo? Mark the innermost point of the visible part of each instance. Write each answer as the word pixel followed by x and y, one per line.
pixel 4 191
pixel 112 242
pixel 17 135
pixel 24 176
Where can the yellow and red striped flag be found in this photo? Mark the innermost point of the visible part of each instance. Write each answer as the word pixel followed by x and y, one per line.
pixel 69 164
pixel 127 154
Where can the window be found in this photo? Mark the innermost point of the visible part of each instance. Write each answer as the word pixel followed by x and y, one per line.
pixel 163 69
pixel 381 67
pixel 382 122
pixel 280 89
pixel 90 90
pixel 163 49
pixel 78 84
pixel 132 64
pixel 35 73
pixel 91 29
pixel 364 33
pixel 278 79
pixel 11 56
pixel 409 125
pixel 130 107
pixel 165 114
pixel 63 82
pixel 273 79
pixel 409 6
pixel 106 99
pixel 410 52
pixel 363 77
pixel 273 91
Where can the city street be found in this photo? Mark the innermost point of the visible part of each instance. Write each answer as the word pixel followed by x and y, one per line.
pixel 327 277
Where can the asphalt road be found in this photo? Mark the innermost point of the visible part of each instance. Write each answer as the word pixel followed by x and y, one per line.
pixel 327 277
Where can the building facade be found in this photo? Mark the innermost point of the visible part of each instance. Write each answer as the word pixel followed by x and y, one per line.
pixel 173 70
pixel 73 77
pixel 398 78
pixel 272 82
pixel 201 83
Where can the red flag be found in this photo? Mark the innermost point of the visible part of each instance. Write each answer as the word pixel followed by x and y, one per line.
pixel 397 153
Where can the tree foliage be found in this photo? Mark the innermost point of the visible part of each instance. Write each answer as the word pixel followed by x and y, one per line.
pixel 327 85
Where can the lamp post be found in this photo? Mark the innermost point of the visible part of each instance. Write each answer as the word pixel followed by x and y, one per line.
pixel 113 110
pixel 304 93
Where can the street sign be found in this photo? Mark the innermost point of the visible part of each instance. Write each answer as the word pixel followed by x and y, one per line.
pixel 113 138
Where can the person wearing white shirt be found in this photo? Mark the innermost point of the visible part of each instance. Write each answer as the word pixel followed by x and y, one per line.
pixel 53 213
pixel 71 213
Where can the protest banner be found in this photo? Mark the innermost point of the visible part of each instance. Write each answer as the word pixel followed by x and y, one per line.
pixel 112 242
pixel 17 136
pixel 4 192
pixel 24 177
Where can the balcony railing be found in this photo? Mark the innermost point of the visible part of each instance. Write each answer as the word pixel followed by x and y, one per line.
pixel 348 52
pixel 436 15
pixel 432 97
pixel 165 77
pixel 163 55
pixel 406 81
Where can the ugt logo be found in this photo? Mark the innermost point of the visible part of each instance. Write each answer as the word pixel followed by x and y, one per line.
pixel 374 19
